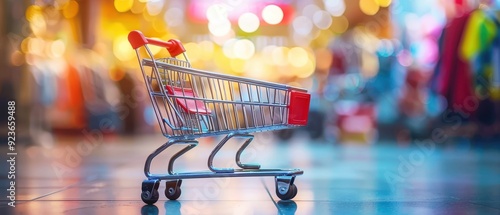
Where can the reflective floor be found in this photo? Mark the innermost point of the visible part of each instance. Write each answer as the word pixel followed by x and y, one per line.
pixel 103 176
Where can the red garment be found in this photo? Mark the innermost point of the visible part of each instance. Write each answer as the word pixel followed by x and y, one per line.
pixel 455 73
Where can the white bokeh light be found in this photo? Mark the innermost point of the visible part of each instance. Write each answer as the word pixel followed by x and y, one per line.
pixel 302 25
pixel 248 22
pixel 272 14
pixel 335 7
pixel 220 27
pixel 243 49
pixel 322 19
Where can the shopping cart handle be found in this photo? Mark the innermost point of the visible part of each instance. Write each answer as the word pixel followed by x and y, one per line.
pixel 137 39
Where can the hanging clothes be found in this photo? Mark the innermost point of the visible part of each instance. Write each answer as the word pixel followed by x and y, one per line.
pixel 454 73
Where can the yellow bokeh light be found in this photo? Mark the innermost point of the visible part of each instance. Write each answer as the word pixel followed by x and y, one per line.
pixel 70 9
pixel 122 49
pixel 221 61
pixel 207 50
pixel 243 49
pixel 306 70
pixel 227 48
pixel 272 14
pixel 138 7
pixel 297 57
pixel 267 54
pixel 280 56
pixel 384 3
pixel 38 24
pixel 57 49
pixel 237 66
pixel 369 7
pixel 32 11
pixel 340 24
pixel 194 51
pixel 123 5
pixel 35 46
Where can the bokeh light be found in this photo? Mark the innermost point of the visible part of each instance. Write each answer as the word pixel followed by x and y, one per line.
pixel 174 17
pixel 248 22
pixel 302 25
pixel 322 19
pixel 57 49
pixel 243 49
pixel 123 5
pixel 272 14
pixel 335 7
pixel 384 3
pixel 340 24
pixel 280 56
pixel 369 7
pixel 155 7
pixel 219 27
pixel 122 50
pixel 297 57
pixel 70 9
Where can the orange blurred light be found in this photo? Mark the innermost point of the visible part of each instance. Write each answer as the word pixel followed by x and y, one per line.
pixel 31 11
pixel 70 9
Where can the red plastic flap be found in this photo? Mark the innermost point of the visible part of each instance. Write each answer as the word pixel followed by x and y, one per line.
pixel 298 110
pixel 188 105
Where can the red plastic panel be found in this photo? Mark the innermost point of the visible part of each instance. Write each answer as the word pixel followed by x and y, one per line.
pixel 298 111
pixel 188 105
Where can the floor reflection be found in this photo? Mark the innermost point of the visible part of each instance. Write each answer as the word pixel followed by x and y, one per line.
pixel 287 207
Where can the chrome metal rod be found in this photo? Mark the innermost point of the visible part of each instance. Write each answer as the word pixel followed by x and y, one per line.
pixel 240 151
pixel 210 161
pixel 147 164
pixel 193 144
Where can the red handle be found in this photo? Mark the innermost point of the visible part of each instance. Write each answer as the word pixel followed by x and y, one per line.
pixel 137 39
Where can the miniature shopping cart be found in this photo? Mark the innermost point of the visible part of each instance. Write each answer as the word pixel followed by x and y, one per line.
pixel 191 104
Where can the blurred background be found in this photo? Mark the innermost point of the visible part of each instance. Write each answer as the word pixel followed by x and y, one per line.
pixel 378 70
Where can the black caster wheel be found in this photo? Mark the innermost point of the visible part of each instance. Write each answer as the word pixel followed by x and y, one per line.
pixel 149 197
pixel 173 189
pixel 150 193
pixel 292 192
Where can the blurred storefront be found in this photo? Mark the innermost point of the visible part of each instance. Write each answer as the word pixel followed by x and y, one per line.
pixel 369 63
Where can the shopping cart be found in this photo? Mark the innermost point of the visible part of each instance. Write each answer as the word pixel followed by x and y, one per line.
pixel 191 104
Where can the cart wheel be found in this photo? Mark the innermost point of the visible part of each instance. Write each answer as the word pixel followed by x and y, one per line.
pixel 150 198
pixel 173 189
pixel 292 192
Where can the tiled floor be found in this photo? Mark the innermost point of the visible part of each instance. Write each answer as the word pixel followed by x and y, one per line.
pixel 104 177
